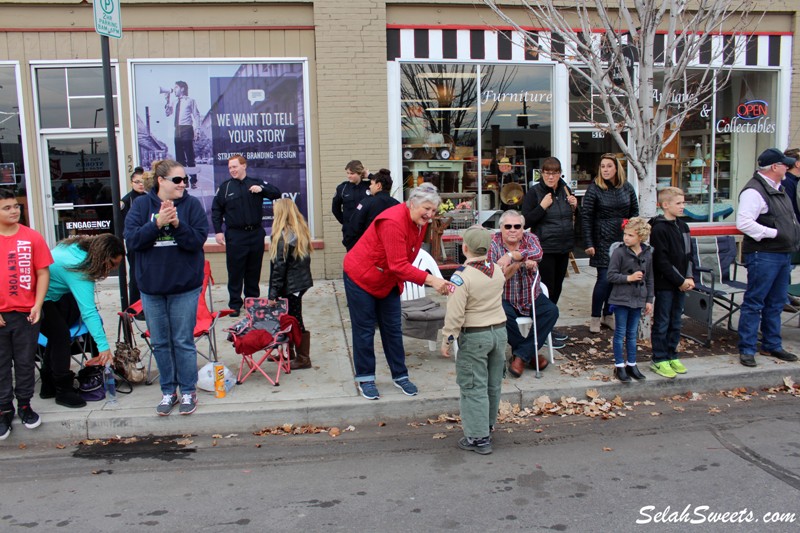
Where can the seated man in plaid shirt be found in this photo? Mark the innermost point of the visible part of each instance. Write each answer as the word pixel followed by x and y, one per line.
pixel 517 252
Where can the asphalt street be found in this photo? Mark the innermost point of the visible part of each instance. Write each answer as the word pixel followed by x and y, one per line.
pixel 729 463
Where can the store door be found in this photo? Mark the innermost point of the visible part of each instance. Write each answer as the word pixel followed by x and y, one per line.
pixel 586 147
pixel 77 181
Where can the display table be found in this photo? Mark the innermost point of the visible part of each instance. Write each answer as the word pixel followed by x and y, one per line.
pixel 437 165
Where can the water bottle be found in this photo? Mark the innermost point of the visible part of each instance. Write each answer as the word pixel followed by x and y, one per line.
pixel 110 384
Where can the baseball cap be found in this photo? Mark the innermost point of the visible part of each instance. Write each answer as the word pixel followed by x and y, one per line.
pixel 478 240
pixel 770 156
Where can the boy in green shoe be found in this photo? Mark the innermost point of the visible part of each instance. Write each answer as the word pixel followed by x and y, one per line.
pixel 672 267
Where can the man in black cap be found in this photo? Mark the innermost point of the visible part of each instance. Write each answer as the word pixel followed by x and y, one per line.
pixel 239 203
pixel 771 234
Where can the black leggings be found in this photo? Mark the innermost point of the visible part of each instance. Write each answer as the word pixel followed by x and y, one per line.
pixel 296 308
pixel 57 318
pixel 553 269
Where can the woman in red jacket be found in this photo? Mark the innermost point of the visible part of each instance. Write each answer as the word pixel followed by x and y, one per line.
pixel 374 273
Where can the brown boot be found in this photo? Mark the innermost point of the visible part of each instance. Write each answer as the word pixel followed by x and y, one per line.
pixel 303 359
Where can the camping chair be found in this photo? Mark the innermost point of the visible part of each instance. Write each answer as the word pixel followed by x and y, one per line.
pixel 203 329
pixel 712 258
pixel 794 290
pixel 82 346
pixel 525 324
pixel 263 321
pixel 422 318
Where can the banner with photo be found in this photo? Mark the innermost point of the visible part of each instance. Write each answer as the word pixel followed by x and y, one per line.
pixel 202 113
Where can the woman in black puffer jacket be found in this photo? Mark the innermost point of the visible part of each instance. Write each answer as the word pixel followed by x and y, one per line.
pixel 608 201
pixel 290 268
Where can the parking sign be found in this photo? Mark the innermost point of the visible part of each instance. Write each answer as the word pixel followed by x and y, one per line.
pixel 107 20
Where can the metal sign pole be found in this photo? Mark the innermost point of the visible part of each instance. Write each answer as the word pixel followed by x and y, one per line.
pixel 114 164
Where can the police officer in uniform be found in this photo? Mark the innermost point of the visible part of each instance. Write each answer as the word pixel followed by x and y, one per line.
pixel 239 204
pixel 348 195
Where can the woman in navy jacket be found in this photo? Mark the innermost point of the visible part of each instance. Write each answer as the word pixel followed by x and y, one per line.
pixel 166 231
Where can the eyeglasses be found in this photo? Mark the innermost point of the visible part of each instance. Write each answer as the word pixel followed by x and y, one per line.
pixel 512 226
pixel 178 179
pixel 137 182
pixel 551 172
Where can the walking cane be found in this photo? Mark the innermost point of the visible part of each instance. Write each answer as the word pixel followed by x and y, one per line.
pixel 533 317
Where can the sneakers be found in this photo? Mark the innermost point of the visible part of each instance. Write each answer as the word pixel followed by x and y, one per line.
pixel 408 388
pixel 677 366
pixel 29 417
pixel 168 401
pixel 556 343
pixel 368 390
pixel 6 417
pixel 559 336
pixel 482 445
pixel 663 369
pixel 188 404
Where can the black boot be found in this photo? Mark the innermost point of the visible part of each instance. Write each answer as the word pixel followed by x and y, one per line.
pixel 66 394
pixel 633 371
pixel 48 389
pixel 621 374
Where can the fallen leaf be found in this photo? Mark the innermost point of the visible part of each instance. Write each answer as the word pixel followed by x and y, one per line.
pixel 788 381
pixel 334 432
pixel 350 428
pixel 440 436
pixel 287 428
pixel 214 442
pixel 537 430
pixel 231 435
pixel 381 424
pixel 216 436
pixel 679 408
pixel 184 442
pixel 60 446
pixel 258 446
pixel 608 449
pixel 592 393
pixel 22 446
pixel 655 413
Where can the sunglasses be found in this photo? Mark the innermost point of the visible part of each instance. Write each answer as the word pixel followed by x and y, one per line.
pixel 178 179
pixel 512 226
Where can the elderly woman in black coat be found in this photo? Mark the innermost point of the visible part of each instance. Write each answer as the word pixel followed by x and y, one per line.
pixel 608 201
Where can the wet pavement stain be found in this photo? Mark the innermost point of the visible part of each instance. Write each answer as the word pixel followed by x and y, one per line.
pixel 166 448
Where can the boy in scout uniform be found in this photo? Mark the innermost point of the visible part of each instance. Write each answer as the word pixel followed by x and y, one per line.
pixel 476 318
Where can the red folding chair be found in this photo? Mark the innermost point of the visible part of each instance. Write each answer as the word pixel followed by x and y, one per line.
pixel 263 317
pixel 203 329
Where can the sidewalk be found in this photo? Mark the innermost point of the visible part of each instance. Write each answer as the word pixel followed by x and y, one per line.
pixel 326 394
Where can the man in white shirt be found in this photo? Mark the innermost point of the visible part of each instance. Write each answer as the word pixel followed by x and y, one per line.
pixel 771 234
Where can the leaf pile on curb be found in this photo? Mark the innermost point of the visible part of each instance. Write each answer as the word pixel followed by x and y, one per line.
pixel 788 387
pixel 593 407
pixel 113 440
pixel 441 419
pixel 739 394
pixel 306 429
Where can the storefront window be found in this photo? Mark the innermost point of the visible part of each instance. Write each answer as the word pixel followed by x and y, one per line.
pixel 12 161
pixel 73 97
pixel 202 113
pixel 448 109
pixel 718 143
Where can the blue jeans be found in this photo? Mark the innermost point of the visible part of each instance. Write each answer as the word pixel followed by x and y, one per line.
pixel 171 319
pixel 626 331
pixel 365 312
pixel 665 332
pixel 546 318
pixel 600 293
pixel 767 282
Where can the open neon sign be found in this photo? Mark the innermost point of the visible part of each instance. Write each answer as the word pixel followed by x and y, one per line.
pixel 752 110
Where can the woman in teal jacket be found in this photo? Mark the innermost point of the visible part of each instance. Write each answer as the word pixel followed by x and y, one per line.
pixel 78 262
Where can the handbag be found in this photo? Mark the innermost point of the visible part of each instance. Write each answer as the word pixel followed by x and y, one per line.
pixel 128 362
pixel 127 357
pixel 90 383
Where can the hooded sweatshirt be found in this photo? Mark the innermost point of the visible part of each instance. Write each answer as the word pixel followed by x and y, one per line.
pixel 168 260
pixel 672 253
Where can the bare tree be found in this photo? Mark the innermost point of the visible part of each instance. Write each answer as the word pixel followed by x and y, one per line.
pixel 602 63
